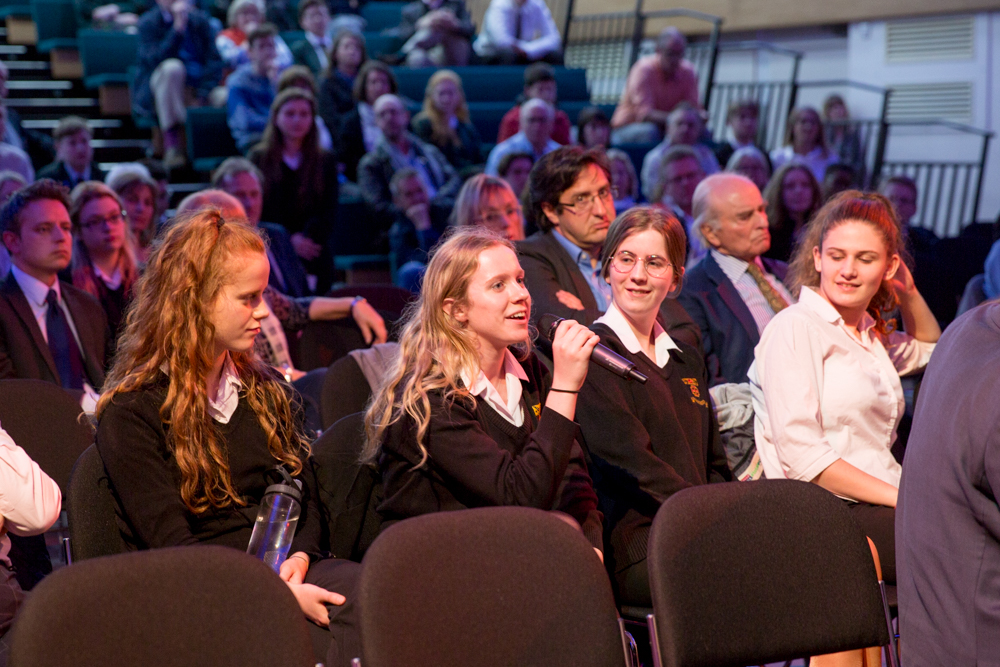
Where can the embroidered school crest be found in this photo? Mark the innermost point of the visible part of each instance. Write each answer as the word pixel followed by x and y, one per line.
pixel 692 384
pixel 537 409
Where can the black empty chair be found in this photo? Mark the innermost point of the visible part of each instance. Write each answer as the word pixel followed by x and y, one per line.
pixel 345 391
pixel 491 587
pixel 757 572
pixel 91 508
pixel 177 607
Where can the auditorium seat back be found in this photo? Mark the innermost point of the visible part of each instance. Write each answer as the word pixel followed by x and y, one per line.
pixel 497 83
pixel 91 508
pixel 106 56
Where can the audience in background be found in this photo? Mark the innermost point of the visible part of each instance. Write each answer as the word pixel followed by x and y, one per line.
pixel 841 136
pixel 793 195
pixel 487 201
pixel 358 132
pixel 233 44
pixel 299 76
pixel 535 137
pixel 14 159
pixel 313 51
pixel 74 154
pixel 300 181
pixel 901 191
pixel 680 175
pixel 623 179
pixel 115 14
pixel 104 260
pixel 805 143
pixel 514 168
pixel 336 88
pixel 593 129
pixel 252 88
pixel 656 84
pixel 436 33
pixel 684 127
pixel 444 121
pixel 539 84
pixel 138 193
pixel 416 228
pixel 838 177
pixel 178 66
pixel 515 32
pixel 742 127
pixel 751 162
pixel 36 144
pixel 10 182
pixel 163 190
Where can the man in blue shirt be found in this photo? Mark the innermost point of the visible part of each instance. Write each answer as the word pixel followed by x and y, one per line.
pixel 252 89
pixel 535 137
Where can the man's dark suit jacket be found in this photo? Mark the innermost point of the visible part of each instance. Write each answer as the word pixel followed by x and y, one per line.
pixel 292 270
pixel 24 354
pixel 303 53
pixel 57 172
pixel 728 330
pixel 548 268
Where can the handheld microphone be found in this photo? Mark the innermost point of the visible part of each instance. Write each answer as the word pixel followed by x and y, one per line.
pixel 602 356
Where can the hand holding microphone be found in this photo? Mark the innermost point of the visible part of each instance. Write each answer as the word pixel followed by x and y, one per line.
pixel 572 346
pixel 550 325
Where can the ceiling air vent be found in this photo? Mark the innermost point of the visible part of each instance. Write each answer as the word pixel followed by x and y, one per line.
pixel 928 40
pixel 948 101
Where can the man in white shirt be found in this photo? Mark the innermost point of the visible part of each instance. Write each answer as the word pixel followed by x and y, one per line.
pixel 732 293
pixel 517 32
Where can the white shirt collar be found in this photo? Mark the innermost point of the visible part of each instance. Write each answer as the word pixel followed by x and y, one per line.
pixel 35 291
pixel 316 41
pixel 510 407
pixel 222 406
pixel 817 303
pixel 114 281
pixel 662 342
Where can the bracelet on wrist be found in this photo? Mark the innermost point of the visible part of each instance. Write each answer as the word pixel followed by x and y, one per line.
pixel 356 300
pixel 564 391
pixel 300 557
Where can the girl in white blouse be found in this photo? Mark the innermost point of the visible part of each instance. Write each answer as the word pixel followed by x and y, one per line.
pixel 825 381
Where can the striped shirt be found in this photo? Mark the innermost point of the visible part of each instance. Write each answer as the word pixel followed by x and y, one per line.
pixel 736 270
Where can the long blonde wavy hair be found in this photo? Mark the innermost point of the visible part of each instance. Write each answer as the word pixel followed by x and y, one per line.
pixel 442 133
pixel 169 325
pixel 434 347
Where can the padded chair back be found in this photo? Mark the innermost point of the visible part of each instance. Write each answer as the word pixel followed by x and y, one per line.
pixel 47 423
pixel 759 572
pixel 345 391
pixel 490 587
pixel 381 15
pixel 973 294
pixel 349 492
pixel 204 605
pixel 209 140
pixel 56 22
pixel 91 508
pixel 106 55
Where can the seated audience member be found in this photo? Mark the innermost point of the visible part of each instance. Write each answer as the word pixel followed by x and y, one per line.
pixel 299 76
pixel 535 137
pixel 649 440
pixel 161 177
pixel 240 178
pixel 680 174
pixel 49 330
pixel 444 121
pixel 336 87
pixel 805 142
pixel 539 84
pixel 178 66
pixel 841 137
pixel 398 149
pixel 683 129
pixel 226 410
pixel 901 191
pixel 252 89
pixel 460 422
pixel 313 51
pixel 37 144
pixel 825 380
pixel 31 503
pixel 593 129
pixel 104 262
pixel 793 196
pixel 436 33
pixel 138 193
pixel 300 181
pixel 732 293
pixel 751 162
pixel 487 201
pixel 74 155
pixel 416 228
pixel 16 160
pixel 656 84
pixel 10 182
pixel 623 179
pixel 514 168
pixel 101 14
pixel 357 131
pixel 516 32
pixel 570 199
pixel 233 43
pixel 742 126
pixel 947 515
pixel 838 177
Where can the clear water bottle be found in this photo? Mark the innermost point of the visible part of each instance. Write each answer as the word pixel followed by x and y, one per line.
pixel 277 518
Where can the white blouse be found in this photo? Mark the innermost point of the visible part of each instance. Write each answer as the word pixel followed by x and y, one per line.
pixel 820 394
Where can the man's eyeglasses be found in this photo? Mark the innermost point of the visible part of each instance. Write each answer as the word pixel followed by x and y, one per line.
pixel 110 221
pixel 584 203
pixel 624 262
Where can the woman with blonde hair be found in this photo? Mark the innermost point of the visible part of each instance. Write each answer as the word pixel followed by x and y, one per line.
pixel 444 121
pixel 469 417
pixel 191 420
pixel 488 201
pixel 104 258
pixel 805 142
pixel 139 194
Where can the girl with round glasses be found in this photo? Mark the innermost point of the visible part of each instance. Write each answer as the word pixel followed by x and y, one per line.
pixel 646 441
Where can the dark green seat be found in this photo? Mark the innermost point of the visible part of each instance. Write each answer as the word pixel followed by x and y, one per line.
pixel 292 37
pixel 380 15
pixel 14 8
pixel 486 116
pixel 380 45
pixel 209 140
pixel 493 83
pixel 107 56
pixel 56 23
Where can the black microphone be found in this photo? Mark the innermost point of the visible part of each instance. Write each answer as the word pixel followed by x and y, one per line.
pixel 602 356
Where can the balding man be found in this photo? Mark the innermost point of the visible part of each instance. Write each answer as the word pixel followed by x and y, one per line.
pixel 534 137
pixel 732 293
pixel 228 205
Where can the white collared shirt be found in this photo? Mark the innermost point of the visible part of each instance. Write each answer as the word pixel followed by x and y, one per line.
pixel 29 500
pixel 112 282
pixel 510 407
pixel 748 289
pixel 820 394
pixel 529 26
pixel 222 406
pixel 662 342
pixel 319 46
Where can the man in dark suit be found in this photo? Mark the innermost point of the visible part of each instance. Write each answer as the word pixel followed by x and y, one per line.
pixel 240 178
pixel 569 198
pixel 732 293
pixel 313 51
pixel 74 155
